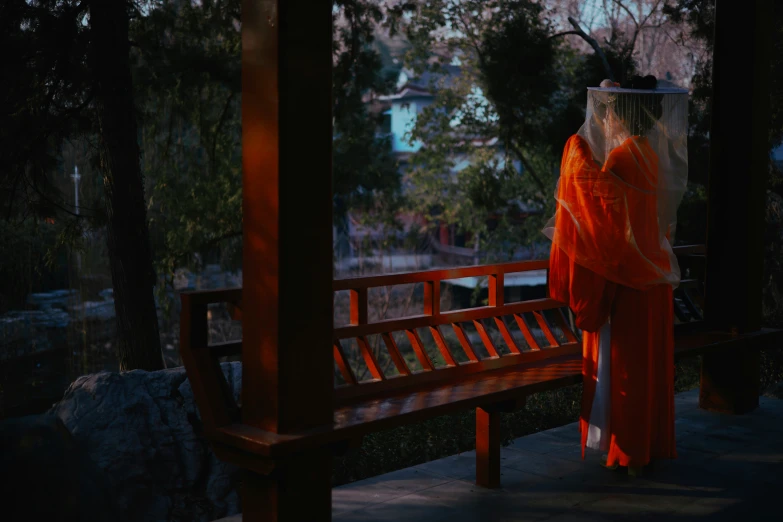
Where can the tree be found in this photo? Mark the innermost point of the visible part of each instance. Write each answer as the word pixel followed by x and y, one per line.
pixel 188 90
pixel 133 277
pixel 507 113
pixel 72 78
pixel 364 172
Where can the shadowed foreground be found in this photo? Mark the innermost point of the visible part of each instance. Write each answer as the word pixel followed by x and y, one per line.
pixel 728 469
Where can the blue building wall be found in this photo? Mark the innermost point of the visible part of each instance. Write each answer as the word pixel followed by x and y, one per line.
pixel 403 118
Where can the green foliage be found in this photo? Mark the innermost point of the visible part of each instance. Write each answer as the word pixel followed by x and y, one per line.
pixel 187 76
pixel 46 92
pixel 364 171
pixel 25 267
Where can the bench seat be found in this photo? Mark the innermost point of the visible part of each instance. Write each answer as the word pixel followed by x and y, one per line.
pixel 505 389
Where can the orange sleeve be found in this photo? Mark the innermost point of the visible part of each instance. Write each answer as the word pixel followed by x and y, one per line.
pixel 586 293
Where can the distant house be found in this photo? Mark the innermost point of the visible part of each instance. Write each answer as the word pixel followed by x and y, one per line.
pixel 412 96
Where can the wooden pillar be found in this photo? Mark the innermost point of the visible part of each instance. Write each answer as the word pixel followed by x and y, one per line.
pixel 737 196
pixel 488 447
pixel 287 382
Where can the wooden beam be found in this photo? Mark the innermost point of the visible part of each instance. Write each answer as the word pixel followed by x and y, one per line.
pixel 737 196
pixel 730 380
pixel 487 448
pixel 287 301
pixel 738 165
pixel 287 205
pixel 295 490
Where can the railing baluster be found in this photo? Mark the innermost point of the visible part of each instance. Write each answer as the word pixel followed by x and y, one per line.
pixel 359 306
pixel 486 339
pixel 442 346
pixel 525 329
pixel 507 337
pixel 497 287
pixel 546 329
pixel 342 364
pixel 562 323
pixel 396 356
pixel 467 347
pixel 418 348
pixel 369 359
pixel 432 298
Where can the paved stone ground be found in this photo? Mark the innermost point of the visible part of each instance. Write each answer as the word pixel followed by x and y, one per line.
pixel 727 470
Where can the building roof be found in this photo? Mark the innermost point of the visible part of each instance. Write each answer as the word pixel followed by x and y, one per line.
pixel 421 86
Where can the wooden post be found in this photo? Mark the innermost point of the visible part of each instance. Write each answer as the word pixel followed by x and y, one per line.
pixel 487 447
pixel 737 183
pixel 287 374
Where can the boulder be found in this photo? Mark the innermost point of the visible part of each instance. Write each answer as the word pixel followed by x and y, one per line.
pixel 142 429
pixel 49 475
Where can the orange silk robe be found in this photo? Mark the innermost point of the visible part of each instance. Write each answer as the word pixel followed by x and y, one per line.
pixel 637 405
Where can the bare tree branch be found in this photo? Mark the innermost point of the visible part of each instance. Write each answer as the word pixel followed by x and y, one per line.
pixel 625 8
pixel 564 33
pixel 594 44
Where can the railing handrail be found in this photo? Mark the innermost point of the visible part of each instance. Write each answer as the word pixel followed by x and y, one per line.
pixel 442 274
pixel 425 276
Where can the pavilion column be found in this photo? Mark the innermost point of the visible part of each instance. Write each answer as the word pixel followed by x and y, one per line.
pixel 287 374
pixel 737 198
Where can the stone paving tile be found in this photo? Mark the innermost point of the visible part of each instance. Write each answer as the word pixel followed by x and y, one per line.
pixel 574 453
pixel 569 432
pixel 357 495
pixel 474 503
pixel 411 507
pixel 361 494
pixel 542 443
pixel 463 466
pixel 411 480
pixel 639 498
pixel 545 465
pixel 577 515
pixel 555 495
pixel 686 400
pixel 746 465
pixel 750 502
pixel 455 467
pixel 714 443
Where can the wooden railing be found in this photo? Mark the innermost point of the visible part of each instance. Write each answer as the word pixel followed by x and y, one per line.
pixel 441 360
pixel 524 332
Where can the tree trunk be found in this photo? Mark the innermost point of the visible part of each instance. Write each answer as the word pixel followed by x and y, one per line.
pixel 130 256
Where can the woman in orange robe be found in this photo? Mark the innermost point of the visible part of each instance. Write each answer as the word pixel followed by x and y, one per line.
pixel 614 268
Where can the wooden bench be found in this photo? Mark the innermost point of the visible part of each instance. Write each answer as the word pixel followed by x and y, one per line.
pixel 544 354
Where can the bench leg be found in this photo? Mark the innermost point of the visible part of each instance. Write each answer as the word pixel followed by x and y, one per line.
pixel 297 490
pixel 487 448
pixel 730 381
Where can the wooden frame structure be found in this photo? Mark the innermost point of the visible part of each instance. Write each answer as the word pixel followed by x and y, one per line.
pixel 292 417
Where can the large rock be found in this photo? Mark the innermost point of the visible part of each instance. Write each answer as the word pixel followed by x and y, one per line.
pixel 142 430
pixel 49 476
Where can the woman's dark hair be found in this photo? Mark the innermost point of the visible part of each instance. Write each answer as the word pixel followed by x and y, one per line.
pixel 650 103
pixel 648 82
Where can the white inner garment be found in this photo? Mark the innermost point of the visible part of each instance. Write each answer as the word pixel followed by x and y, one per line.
pixel 598 431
